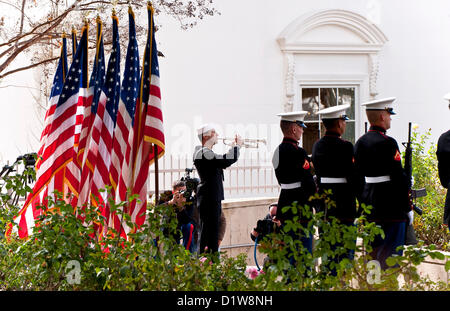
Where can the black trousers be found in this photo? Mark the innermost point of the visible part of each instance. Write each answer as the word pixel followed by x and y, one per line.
pixel 210 212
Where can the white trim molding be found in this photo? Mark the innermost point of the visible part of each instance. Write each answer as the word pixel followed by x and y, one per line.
pixel 371 35
pixel 291 84
pixel 374 63
pixel 372 40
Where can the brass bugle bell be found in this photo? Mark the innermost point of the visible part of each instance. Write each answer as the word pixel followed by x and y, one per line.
pixel 248 143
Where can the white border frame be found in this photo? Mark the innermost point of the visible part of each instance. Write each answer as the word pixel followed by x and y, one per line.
pixel 357 84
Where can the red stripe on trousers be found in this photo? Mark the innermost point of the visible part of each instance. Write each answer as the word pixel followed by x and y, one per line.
pixel 190 237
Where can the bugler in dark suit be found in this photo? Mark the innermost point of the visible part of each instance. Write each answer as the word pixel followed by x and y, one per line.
pixel 210 168
pixel 385 185
pixel 443 156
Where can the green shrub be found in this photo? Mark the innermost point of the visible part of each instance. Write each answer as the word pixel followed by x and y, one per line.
pixel 355 274
pixel 64 253
pixel 429 226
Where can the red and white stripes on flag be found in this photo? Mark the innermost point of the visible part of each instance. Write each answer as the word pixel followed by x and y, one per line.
pixel 104 124
pixel 148 126
pixel 106 135
pixel 124 124
pixel 58 140
pixel 88 147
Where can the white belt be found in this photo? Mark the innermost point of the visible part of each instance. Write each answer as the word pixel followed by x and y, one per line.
pixel 378 179
pixel 333 180
pixel 291 186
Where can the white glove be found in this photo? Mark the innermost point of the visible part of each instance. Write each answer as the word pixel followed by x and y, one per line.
pixel 411 217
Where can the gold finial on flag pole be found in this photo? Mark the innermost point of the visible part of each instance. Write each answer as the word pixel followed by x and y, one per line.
pixel 85 17
pixel 114 4
pixel 130 8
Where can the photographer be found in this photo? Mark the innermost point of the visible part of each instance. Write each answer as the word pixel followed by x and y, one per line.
pixel 267 225
pixel 264 227
pixel 184 211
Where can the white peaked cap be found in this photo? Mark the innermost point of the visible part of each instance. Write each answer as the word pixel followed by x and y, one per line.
pixel 447 96
pixel 293 116
pixel 380 104
pixel 335 112
pixel 205 128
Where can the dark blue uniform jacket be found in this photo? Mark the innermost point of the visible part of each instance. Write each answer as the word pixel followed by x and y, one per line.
pixel 210 168
pixel 333 157
pixel 377 154
pixel 292 164
pixel 443 156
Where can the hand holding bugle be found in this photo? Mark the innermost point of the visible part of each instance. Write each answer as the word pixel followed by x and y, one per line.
pixel 246 142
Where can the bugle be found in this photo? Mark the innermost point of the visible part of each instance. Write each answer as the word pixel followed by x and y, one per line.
pixel 248 143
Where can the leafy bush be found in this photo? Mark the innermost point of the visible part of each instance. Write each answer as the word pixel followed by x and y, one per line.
pixel 336 240
pixel 429 226
pixel 65 253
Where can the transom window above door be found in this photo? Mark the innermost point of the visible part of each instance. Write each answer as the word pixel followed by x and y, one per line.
pixel 315 99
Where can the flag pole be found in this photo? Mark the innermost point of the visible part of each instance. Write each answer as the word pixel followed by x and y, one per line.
pixel 155 150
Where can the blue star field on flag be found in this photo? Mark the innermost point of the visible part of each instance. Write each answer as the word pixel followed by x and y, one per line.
pixel 76 76
pixel 61 71
pixel 112 82
pixel 98 72
pixel 150 58
pixel 130 82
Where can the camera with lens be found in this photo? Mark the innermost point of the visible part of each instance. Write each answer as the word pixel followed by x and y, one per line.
pixel 264 227
pixel 191 185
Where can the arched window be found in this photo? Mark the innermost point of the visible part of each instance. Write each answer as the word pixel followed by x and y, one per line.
pixel 332 58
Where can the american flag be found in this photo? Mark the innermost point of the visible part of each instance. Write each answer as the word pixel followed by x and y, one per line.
pixel 57 182
pixel 120 181
pixel 59 141
pixel 148 125
pixel 72 170
pixel 95 95
pixel 58 81
pixel 103 128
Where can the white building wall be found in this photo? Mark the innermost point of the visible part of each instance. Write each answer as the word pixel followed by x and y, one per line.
pixel 230 70
pixel 235 71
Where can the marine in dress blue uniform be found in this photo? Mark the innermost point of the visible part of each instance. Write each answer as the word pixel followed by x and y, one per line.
pixel 334 166
pixel 293 172
pixel 443 156
pixel 384 184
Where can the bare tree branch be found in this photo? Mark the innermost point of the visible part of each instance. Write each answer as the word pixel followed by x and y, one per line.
pixel 28 67
pixel 14 54
pixel 41 38
pixel 22 17
pixel 19 86
pixel 34 30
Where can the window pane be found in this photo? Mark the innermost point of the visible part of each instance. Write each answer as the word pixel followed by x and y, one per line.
pixel 328 98
pixel 310 136
pixel 310 102
pixel 347 96
pixel 350 132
